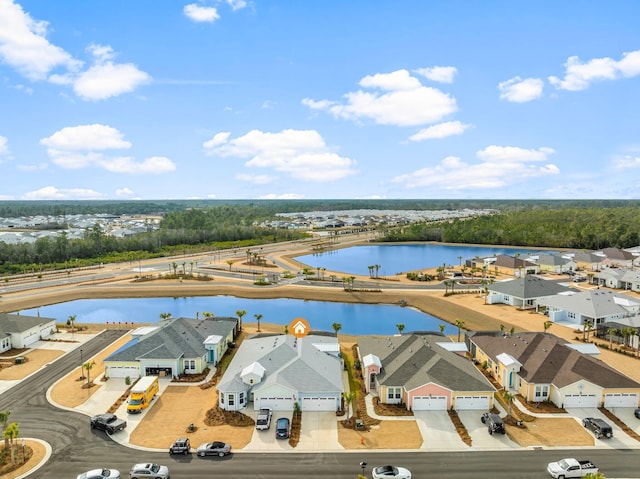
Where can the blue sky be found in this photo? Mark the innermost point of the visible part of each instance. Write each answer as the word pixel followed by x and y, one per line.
pixel 231 99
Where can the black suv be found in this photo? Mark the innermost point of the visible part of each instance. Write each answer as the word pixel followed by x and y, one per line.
pixel 494 423
pixel 180 446
pixel 108 422
pixel 599 427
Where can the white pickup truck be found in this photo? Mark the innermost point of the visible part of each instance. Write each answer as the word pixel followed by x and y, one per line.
pixel 568 468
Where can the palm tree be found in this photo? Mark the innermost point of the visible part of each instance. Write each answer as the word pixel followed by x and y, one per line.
pixel 88 366
pixel 546 325
pixel 509 398
pixel 240 314
pixel 512 330
pixel 230 263
pixel 348 399
pixel 588 324
pixel 208 314
pixel 336 327
pixel 4 422
pixel 258 318
pixel 377 267
pixel 442 327
pixel 72 322
pixel 460 325
pixel 166 315
pixel 400 327
pixel 10 434
pixel 626 332
pixel 460 260
pixel 370 271
pixel 610 333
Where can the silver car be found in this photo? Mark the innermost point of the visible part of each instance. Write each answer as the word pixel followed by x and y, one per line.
pixel 149 470
pixel 100 474
pixel 215 448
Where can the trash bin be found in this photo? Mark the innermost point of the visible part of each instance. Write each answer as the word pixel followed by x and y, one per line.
pixel 359 424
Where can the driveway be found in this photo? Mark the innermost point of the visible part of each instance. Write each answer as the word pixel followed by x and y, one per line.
pixel 620 439
pixel 319 432
pixel 625 414
pixel 438 432
pixel 480 437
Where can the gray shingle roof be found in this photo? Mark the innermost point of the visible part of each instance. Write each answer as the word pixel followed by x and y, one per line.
pixel 546 359
pixel 18 323
pixel 528 287
pixel 414 360
pixel 595 304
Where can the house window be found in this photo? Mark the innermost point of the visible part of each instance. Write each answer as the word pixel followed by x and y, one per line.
pixel 519 382
pixel 241 398
pixel 571 315
pixel 542 392
pixel 231 400
pixel 394 393
pixel 398 393
pixel 221 398
pixel 489 363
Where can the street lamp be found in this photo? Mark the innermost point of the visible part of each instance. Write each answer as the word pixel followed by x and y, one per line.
pixel 23 458
pixel 81 365
pixel 363 465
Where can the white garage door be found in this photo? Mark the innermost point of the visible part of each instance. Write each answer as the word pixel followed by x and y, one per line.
pixel 580 400
pixel 319 404
pixel 274 403
pixel 472 402
pixel 123 372
pixel 430 403
pixel 621 400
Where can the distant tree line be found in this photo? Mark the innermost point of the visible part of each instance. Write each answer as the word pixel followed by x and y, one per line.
pixel 588 228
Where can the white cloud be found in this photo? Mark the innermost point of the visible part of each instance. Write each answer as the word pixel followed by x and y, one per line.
pixel 438 74
pixel 218 139
pixel 237 4
pixel 4 146
pixel 198 13
pixel 626 162
pixel 499 167
pixel 284 196
pixel 579 75
pixel 302 154
pixel 24 46
pixel 518 90
pixel 441 130
pixel 53 193
pixel 124 193
pixel 86 137
pixel 403 102
pixel 105 79
pixel 32 168
pixel 84 146
pixel 256 179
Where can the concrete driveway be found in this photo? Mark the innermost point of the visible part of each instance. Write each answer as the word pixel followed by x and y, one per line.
pixel 319 432
pixel 480 437
pixel 438 432
pixel 625 414
pixel 620 439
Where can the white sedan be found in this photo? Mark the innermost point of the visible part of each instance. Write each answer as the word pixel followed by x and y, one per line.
pixel 391 472
pixel 100 474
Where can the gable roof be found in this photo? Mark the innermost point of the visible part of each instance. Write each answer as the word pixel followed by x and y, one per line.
pixel 512 262
pixel 18 323
pixel 528 287
pixel 293 363
pixel 547 359
pixel 598 303
pixel 175 338
pixel 553 259
pixel 413 360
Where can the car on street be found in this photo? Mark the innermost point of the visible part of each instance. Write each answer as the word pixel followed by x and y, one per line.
pixel 180 446
pixel 103 473
pixel 108 422
pixel 283 428
pixel 215 448
pixel 390 472
pixel 149 470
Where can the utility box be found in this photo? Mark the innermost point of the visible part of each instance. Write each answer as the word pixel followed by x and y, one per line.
pixel 359 424
pixel 19 360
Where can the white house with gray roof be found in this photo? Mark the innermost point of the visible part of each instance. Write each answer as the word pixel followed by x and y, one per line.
pixel 555 263
pixel 524 293
pixel 277 371
pixel 175 346
pixel 596 306
pixel 422 372
pixel 19 331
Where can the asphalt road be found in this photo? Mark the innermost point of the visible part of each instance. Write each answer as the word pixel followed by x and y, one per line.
pixel 76 447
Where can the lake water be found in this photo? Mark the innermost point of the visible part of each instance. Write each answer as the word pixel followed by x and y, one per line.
pixel 395 259
pixel 356 319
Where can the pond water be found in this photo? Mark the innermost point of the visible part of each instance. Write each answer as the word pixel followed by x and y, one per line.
pixel 356 319
pixel 394 258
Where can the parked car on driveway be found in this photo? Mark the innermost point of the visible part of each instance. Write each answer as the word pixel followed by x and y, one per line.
pixel 103 473
pixel 282 428
pixel 180 446
pixel 599 427
pixel 149 470
pixel 263 420
pixel 108 422
pixel 390 472
pixel 636 413
pixel 494 423
pixel 215 448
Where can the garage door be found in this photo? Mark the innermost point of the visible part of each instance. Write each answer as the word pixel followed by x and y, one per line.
pixel 430 403
pixel 123 372
pixel 472 402
pixel 319 404
pixel 274 403
pixel 580 400
pixel 621 400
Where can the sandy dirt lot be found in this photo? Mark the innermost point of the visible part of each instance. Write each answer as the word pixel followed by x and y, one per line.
pixel 551 432
pixel 35 359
